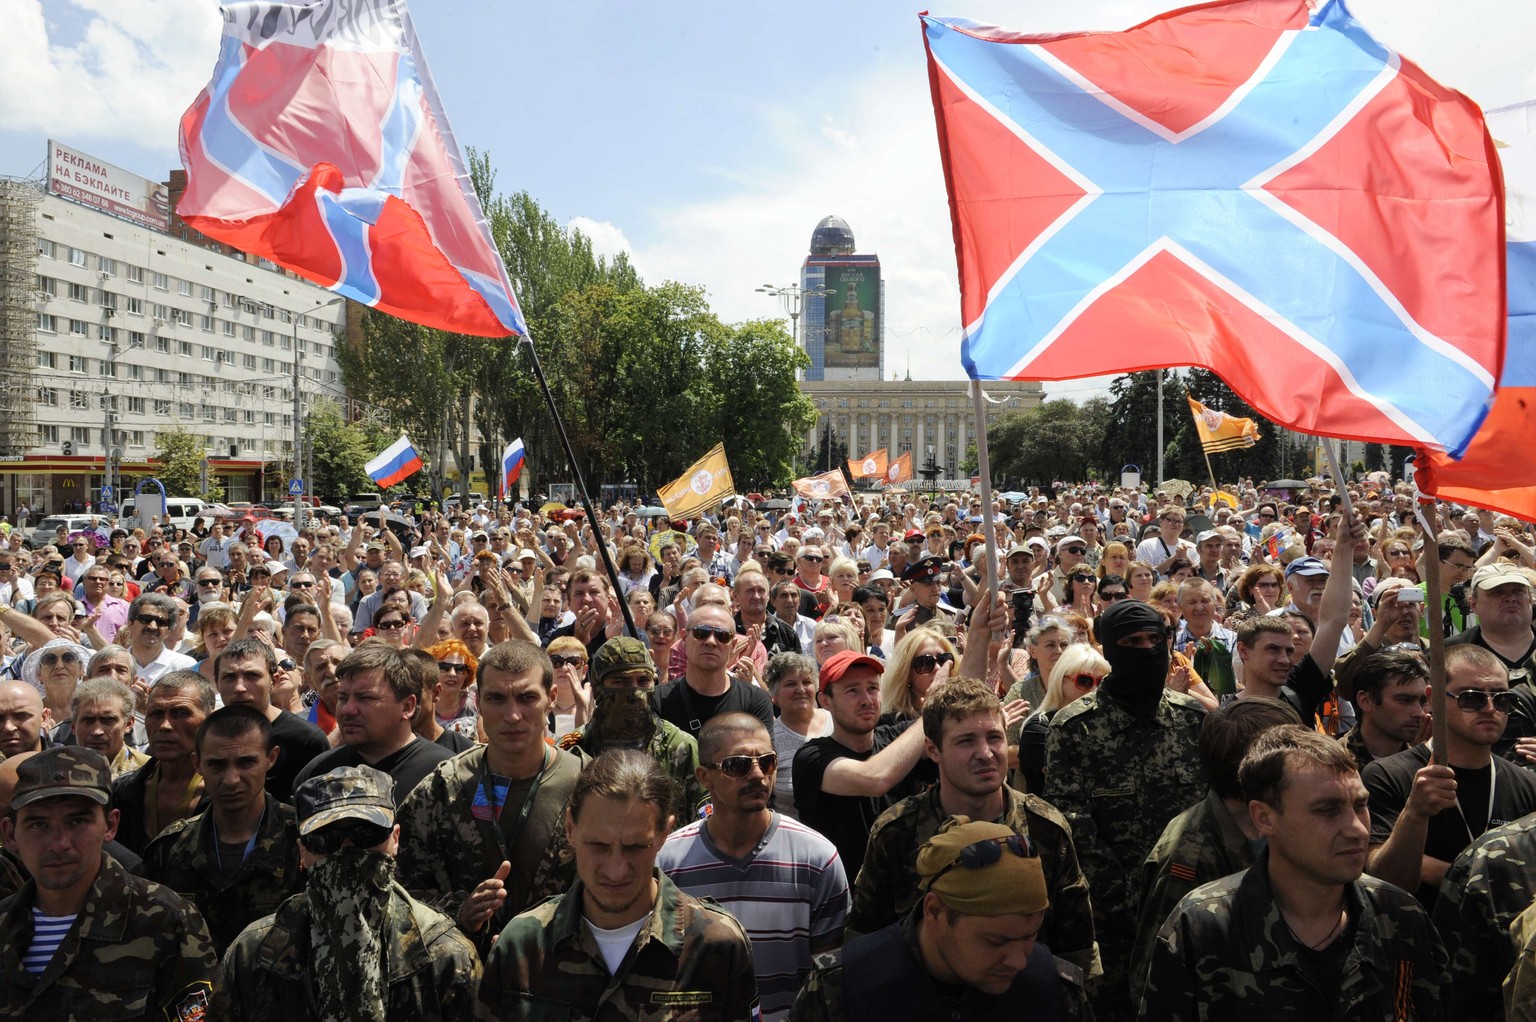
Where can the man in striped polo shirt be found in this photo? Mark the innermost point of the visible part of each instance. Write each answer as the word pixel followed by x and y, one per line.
pixel 781 880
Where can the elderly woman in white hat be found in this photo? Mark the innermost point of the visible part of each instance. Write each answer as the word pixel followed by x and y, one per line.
pixel 54 669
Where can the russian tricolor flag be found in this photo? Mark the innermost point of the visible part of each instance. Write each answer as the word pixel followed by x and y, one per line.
pixel 511 464
pixel 398 461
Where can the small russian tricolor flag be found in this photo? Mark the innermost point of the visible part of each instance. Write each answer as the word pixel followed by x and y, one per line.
pixel 511 464
pixel 398 461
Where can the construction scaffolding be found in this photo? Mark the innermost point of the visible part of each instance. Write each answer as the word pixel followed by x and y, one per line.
pixel 19 234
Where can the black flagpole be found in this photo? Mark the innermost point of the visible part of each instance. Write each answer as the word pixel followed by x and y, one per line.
pixel 581 487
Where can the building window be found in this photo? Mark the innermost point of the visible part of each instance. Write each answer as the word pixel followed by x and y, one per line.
pixel 77 257
pixel 80 328
pixel 50 434
pixel 136 404
pixel 136 438
pixel 162 406
pixel 207 324
pixel 107 368
pixel 248 361
pixel 185 348
pixel 184 287
pixel 248 333
pixel 107 402
pixel 208 294
pixel 48 396
pixel 207 353
pixel 106 265
pixel 79 293
pixel 133 306
pixel 184 410
pixel 48 286
pixel 268 366
pixel 160 282
pixel 229 328
pixel 47 360
pixel 46 323
pixel 47 249
pixel 135 273
pixel 135 372
pixel 78 400
pixel 80 434
pixel 109 300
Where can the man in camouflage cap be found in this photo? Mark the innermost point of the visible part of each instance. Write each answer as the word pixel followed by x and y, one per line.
pixel 354 945
pixel 84 938
pixel 1302 933
pixel 967 950
pixel 623 677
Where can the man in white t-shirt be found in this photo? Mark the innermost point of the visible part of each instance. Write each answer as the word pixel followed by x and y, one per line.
pixel 1162 550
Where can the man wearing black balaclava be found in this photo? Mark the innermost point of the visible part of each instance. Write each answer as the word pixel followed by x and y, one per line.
pixel 1120 763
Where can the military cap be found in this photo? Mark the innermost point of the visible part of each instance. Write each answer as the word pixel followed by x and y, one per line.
pixel 63 771
pixel 619 656
pixel 346 793
pixel 983 869
pixel 924 569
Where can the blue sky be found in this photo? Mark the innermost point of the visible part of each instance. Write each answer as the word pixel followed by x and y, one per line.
pixel 705 138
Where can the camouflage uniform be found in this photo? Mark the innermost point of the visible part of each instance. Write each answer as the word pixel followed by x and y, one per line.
pixel 431 968
pixel 902 983
pixel 1520 986
pixel 445 852
pixel 183 859
pixel 1119 778
pixel 886 887
pixel 1201 844
pixel 1488 886
pixel 692 957
pixel 671 746
pixel 11 878
pixel 1226 953
pixel 137 950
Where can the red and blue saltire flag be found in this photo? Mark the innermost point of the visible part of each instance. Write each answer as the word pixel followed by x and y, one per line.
pixel 512 464
pixel 321 145
pixel 1497 471
pixel 398 461
pixel 1246 186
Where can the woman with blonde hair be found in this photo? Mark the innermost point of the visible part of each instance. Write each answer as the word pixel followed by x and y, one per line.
pixel 1078 671
pixel 1115 560
pixel 843 577
pixel 216 624
pixel 922 656
pixel 833 635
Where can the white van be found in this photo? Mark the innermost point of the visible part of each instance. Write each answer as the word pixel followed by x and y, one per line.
pixel 183 511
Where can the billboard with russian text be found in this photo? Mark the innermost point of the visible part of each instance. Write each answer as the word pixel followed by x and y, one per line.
pixel 84 179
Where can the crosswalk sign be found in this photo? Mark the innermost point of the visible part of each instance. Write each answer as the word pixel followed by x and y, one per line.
pixel 295 487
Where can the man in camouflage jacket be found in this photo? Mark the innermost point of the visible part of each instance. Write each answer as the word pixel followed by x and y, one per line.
pixel 136 950
pixel 1120 763
pixel 1486 889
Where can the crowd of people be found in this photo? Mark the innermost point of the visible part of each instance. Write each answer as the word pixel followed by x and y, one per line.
pixel 1169 760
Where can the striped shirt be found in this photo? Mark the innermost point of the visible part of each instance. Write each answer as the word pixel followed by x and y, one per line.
pixel 790 895
pixel 48 932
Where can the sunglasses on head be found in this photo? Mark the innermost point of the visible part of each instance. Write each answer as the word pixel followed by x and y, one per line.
pixel 1473 699
pixel 574 660
pixel 720 635
pixel 741 766
pixel 50 659
pixel 984 853
pixel 927 663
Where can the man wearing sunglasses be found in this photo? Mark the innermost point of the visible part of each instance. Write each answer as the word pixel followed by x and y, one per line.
pixel 708 687
pixel 1500 595
pixel 964 733
pixel 151 620
pixel 781 880
pixel 1424 814
pixel 968 950
pixel 353 944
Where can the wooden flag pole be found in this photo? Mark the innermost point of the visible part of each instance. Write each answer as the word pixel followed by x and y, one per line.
pixel 1212 471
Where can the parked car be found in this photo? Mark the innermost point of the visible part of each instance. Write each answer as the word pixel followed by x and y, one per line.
pixel 44 533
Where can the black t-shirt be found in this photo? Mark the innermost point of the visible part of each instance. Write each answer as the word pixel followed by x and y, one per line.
pixel 679 704
pixel 407 766
pixel 1305 689
pixel 845 820
pixel 1325 968
pixel 298 741
pixel 454 742
pixel 1451 830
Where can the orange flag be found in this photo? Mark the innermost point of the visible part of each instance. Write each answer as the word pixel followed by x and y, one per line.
pixel 900 470
pixel 823 487
pixel 873 464
pixel 706 483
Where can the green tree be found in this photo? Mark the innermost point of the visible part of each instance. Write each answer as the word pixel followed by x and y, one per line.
pixel 341 450
pixel 1059 439
pixel 760 411
pixel 179 459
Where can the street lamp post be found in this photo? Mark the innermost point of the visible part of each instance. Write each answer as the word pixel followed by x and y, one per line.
pixel 793 297
pixel 298 417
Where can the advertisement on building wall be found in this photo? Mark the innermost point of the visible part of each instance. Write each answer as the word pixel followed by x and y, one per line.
pixel 852 329
pixel 84 179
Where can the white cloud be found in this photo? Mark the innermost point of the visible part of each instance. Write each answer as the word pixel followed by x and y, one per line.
pixel 135 68
pixel 607 239
pixel 874 161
